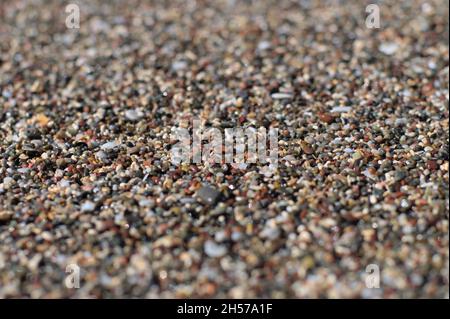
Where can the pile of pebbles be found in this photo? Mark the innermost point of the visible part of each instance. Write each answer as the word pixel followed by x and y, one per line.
pixel 85 170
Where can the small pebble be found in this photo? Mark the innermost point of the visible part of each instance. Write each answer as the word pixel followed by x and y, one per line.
pixel 388 48
pixel 208 195
pixel 214 250
pixel 88 206
pixel 281 96
pixel 341 109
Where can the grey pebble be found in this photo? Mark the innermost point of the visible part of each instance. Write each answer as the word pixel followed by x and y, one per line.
pixel 208 195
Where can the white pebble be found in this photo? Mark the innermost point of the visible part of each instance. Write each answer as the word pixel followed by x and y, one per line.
pixel 281 96
pixel 214 250
pixel 87 206
pixel 133 115
pixel 179 65
pixel 388 48
pixel 263 45
pixel 270 233
pixel 341 109
pixel 109 145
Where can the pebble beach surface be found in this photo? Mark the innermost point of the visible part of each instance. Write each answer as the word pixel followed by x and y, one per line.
pixel 85 170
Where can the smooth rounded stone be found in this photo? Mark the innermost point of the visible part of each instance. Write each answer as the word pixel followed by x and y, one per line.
pixel 220 236
pixel 23 170
pixel 282 96
pixel 208 195
pixel 179 65
pixel 109 145
pixel 264 45
pixel 341 109
pixel 64 183
pixel 270 232
pixel 399 175
pixel 236 236
pixel 8 182
pixel 388 48
pixel 147 203
pixel 187 200
pixel 5 215
pixel 88 206
pixel 349 150
pixel 133 115
pixel 401 121
pixel 214 250
pixel 102 156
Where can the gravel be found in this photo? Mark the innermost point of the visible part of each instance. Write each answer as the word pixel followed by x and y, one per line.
pixel 86 176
